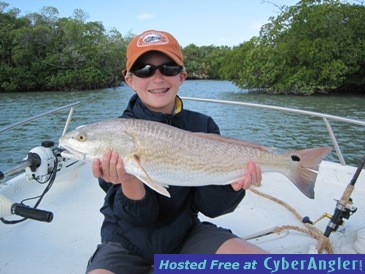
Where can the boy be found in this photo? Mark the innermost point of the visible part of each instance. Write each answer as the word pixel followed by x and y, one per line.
pixel 138 221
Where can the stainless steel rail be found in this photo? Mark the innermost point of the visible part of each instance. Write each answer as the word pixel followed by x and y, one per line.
pixel 71 106
pixel 324 116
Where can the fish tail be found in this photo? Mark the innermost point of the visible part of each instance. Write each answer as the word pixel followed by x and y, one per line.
pixel 304 174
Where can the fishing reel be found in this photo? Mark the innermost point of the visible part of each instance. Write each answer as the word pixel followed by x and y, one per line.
pixel 344 207
pixel 336 220
pixel 40 165
pixel 42 161
pixel 341 212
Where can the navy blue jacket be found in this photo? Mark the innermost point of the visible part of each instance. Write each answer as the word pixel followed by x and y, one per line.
pixel 158 224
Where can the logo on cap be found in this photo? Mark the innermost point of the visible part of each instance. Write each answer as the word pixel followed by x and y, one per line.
pixel 152 38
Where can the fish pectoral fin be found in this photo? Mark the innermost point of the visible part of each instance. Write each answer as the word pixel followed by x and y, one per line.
pixel 219 138
pixel 156 187
pixel 149 182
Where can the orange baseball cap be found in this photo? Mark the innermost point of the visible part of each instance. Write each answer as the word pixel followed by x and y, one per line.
pixel 153 40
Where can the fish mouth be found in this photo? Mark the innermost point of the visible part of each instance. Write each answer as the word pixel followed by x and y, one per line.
pixel 159 90
pixel 72 153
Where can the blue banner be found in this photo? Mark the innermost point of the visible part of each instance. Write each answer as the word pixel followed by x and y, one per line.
pixel 259 264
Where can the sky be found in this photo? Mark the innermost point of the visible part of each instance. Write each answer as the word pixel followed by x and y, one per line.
pixel 199 22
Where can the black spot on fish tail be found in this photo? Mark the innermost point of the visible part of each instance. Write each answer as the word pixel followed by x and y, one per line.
pixel 295 158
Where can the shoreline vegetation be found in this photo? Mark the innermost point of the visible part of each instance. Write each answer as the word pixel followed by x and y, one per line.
pixel 313 47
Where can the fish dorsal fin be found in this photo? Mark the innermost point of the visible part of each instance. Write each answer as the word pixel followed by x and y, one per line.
pixel 228 140
pixel 148 181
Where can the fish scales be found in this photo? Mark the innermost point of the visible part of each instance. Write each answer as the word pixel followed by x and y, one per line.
pixel 178 153
pixel 181 149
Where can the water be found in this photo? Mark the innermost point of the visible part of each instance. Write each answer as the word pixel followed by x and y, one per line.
pixel 271 128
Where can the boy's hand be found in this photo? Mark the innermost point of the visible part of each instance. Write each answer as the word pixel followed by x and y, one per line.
pixel 252 177
pixel 110 168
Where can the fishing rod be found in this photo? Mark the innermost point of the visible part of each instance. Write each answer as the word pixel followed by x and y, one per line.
pixel 344 208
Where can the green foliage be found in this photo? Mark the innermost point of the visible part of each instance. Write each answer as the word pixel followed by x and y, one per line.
pixel 314 46
pixel 43 52
pixel 205 61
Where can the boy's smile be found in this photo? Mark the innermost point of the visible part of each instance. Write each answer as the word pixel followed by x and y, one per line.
pixel 159 91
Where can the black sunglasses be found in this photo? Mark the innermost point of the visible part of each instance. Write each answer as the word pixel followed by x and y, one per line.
pixel 145 71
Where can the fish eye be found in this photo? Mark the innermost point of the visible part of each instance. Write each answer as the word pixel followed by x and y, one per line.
pixel 81 137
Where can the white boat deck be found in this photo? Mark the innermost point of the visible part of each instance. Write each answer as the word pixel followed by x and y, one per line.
pixel 65 244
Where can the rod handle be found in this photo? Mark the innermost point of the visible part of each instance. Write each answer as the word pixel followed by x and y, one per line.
pixel 32 213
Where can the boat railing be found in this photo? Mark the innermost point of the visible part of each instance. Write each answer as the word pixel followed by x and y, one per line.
pixel 325 117
pixel 71 106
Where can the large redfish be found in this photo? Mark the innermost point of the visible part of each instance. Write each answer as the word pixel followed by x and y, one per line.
pixel 161 155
